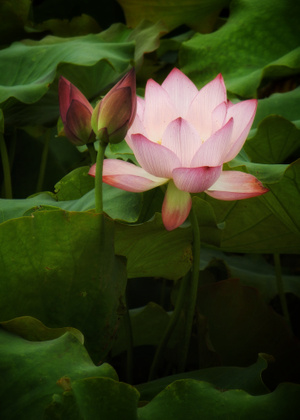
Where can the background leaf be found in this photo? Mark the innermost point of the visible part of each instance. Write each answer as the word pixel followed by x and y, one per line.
pixel 258 41
pixel 275 141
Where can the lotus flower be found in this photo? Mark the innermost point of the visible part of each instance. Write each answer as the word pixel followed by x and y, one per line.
pixel 75 112
pixel 181 137
pixel 115 113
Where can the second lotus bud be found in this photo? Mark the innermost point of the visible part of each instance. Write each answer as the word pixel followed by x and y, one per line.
pixel 114 114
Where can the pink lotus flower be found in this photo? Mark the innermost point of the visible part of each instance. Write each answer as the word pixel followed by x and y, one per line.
pixel 115 113
pixel 181 137
pixel 75 112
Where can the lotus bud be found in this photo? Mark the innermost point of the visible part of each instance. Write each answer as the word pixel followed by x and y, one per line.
pixel 76 113
pixel 115 113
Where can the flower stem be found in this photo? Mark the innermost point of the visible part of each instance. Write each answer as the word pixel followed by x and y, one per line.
pixel 43 164
pixel 170 328
pixel 98 177
pixel 280 288
pixel 92 152
pixel 192 291
pixel 6 167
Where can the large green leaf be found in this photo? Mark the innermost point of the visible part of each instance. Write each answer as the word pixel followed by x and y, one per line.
pixel 188 399
pixel 31 371
pixel 91 62
pixel 33 64
pixel 259 40
pixel 57 266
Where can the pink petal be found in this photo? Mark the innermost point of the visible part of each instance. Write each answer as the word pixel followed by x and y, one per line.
pixel 235 185
pixel 176 207
pixel 78 120
pixel 181 90
pixel 159 111
pixel 196 180
pixel 153 157
pixel 243 115
pixel 182 139
pixel 127 176
pixel 214 150
pixel 137 127
pixel 218 116
pixel 204 103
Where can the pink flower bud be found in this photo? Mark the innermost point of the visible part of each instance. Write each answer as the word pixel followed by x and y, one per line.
pixel 75 112
pixel 115 113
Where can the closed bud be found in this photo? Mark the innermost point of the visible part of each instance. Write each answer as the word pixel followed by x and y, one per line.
pixel 76 113
pixel 115 113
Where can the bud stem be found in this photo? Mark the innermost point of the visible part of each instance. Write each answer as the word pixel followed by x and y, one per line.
pixel 98 177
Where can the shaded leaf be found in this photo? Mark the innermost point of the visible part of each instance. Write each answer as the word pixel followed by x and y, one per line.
pixel 248 379
pixel 78 25
pixel 148 325
pixel 241 325
pixel 201 14
pixel 265 224
pixel 252 270
pixel 14 15
pixel 189 399
pixel 57 267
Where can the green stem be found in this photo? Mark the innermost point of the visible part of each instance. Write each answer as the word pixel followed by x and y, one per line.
pixel 129 336
pixel 170 328
pixel 280 288
pixel 43 164
pixel 6 167
pixel 192 292
pixel 92 152
pixel 98 177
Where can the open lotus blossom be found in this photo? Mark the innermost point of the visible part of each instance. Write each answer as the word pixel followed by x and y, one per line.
pixel 181 137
